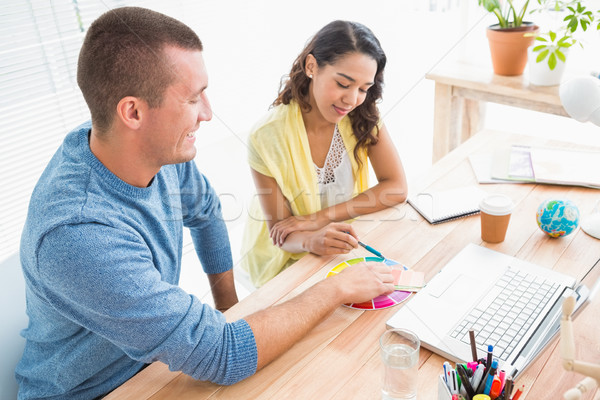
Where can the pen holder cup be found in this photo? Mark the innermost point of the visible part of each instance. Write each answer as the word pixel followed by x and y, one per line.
pixel 443 391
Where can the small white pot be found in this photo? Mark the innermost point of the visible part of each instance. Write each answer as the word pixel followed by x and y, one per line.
pixel 540 73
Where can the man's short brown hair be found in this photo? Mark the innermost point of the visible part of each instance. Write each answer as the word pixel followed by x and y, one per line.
pixel 122 55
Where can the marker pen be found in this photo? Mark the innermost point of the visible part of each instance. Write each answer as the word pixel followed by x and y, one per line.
pixel 496 388
pixel 465 381
pixel 490 355
pixel 508 387
pixel 502 376
pixel 454 388
pixel 490 377
pixel 472 366
pixel 446 367
pixel 477 377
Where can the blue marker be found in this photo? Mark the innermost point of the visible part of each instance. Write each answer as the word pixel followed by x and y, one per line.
pixel 490 377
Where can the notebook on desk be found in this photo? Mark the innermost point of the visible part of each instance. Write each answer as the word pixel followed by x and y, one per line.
pixel 511 304
pixel 439 206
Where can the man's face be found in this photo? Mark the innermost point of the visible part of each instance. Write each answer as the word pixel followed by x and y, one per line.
pixel 170 130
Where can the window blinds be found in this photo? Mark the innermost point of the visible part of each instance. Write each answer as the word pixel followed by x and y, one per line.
pixel 40 101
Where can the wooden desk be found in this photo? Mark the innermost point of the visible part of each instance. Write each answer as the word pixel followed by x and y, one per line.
pixel 340 359
pixel 461 91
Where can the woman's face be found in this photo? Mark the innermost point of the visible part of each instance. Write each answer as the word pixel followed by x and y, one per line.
pixel 339 88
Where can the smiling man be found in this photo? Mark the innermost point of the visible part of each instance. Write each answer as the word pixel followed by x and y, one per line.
pixel 101 248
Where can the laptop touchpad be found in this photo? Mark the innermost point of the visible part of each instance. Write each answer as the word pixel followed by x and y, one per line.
pixel 456 287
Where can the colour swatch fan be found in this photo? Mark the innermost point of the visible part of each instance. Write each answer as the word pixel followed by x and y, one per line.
pixel 379 302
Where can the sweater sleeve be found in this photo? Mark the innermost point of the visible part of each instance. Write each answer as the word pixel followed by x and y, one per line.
pixel 103 279
pixel 202 214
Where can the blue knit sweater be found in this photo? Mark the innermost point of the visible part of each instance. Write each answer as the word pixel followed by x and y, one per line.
pixel 101 260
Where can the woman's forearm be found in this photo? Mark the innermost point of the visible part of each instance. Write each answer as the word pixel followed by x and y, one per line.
pixel 383 195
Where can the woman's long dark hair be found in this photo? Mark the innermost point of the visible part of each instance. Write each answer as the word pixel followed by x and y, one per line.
pixel 332 42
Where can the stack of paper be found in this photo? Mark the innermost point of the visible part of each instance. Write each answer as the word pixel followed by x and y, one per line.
pixel 538 164
pixel 408 280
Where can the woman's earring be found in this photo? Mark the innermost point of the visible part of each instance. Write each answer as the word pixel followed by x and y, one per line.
pixel 310 76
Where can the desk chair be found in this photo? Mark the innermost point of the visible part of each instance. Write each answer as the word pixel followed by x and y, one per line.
pixel 13 319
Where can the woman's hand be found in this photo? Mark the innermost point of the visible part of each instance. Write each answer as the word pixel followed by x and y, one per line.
pixel 283 228
pixel 335 238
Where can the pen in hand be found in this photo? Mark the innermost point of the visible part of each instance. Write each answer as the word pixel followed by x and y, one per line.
pixel 372 250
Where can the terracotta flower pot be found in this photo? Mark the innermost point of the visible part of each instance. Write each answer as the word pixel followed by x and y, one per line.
pixel 509 48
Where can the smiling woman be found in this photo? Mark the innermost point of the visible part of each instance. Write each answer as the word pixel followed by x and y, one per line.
pixel 309 156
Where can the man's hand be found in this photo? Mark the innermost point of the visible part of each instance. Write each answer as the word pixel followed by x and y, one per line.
pixel 278 327
pixel 364 281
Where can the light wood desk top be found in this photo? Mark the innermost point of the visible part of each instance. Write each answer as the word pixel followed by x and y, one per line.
pixel 461 91
pixel 340 359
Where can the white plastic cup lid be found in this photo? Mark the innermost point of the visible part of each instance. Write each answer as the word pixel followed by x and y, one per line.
pixel 497 204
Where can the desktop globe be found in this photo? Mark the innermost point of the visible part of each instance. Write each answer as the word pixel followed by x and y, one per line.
pixel 557 217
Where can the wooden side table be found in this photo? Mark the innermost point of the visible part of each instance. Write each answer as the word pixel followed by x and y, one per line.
pixel 461 92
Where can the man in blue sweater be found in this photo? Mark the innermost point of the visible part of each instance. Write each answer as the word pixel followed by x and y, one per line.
pixel 101 248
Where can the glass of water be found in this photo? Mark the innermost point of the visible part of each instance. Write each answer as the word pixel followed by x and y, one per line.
pixel 400 356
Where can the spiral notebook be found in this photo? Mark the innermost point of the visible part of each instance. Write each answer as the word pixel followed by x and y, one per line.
pixel 446 205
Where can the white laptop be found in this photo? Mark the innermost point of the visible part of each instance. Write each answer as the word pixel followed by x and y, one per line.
pixel 511 304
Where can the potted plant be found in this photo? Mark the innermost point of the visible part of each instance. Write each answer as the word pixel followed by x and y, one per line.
pixel 508 40
pixel 547 58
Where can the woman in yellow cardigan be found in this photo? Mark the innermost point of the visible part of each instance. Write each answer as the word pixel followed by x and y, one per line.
pixel 309 155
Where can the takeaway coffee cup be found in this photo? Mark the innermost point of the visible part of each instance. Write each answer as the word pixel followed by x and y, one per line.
pixel 495 215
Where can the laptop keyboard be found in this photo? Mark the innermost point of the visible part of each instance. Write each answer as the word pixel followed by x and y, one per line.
pixel 506 312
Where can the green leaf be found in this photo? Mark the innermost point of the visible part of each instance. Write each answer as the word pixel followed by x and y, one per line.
pixel 541 39
pixel 560 55
pixel 584 24
pixel 573 24
pixel 542 55
pixel 552 62
pixel 552 36
pixel 538 48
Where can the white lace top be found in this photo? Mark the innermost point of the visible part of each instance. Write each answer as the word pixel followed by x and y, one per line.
pixel 335 180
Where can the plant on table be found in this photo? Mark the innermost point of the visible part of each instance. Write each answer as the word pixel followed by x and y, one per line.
pixel 508 38
pixel 551 45
pixel 507 14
